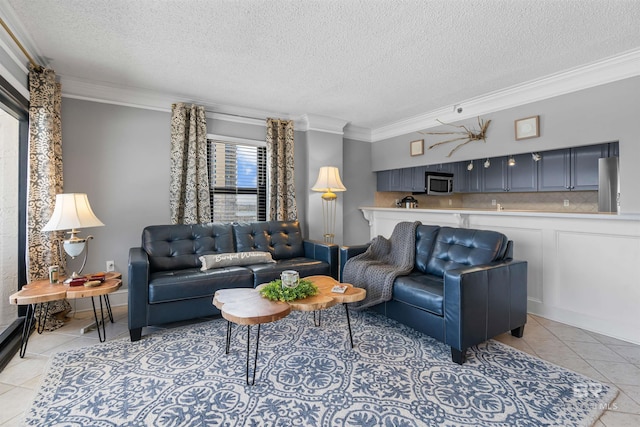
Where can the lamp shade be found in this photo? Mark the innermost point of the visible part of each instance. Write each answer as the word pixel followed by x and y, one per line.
pixel 328 180
pixel 72 211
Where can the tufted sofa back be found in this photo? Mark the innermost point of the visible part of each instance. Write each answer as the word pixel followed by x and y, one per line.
pixel 283 239
pixel 460 247
pixel 175 247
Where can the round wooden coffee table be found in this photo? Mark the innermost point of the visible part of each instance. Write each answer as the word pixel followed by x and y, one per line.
pixel 245 306
pixel 326 298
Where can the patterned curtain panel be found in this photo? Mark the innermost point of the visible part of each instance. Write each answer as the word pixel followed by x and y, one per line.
pixel 282 191
pixel 189 196
pixel 45 171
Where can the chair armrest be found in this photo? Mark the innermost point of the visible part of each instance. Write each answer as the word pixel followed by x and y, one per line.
pixel 483 301
pixel 320 251
pixel 138 287
pixel 347 252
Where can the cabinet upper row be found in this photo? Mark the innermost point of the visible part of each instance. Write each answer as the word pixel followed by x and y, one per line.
pixel 569 169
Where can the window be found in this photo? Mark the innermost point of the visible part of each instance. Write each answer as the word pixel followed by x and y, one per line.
pixel 237 174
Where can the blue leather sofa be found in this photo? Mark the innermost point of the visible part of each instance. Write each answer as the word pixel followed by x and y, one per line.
pixel 465 287
pixel 166 283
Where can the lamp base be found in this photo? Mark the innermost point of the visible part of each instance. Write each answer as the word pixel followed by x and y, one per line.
pixel 328 237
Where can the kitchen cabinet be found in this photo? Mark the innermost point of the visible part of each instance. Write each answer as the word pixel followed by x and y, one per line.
pixel 406 179
pixel 465 180
pixel 389 180
pixel 499 176
pixel 573 169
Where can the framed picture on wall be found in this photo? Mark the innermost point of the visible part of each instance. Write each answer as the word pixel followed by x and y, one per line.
pixel 416 148
pixel 528 127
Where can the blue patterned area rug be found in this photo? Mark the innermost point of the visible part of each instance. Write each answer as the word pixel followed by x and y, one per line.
pixel 310 376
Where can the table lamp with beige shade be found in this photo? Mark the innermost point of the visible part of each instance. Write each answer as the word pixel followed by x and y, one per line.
pixel 329 183
pixel 73 212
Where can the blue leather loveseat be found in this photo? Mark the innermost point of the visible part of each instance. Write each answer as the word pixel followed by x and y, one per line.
pixel 166 281
pixel 464 288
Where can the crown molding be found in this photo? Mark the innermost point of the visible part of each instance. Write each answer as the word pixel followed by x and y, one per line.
pixel 76 88
pixel 318 123
pixel 609 70
pixel 357 133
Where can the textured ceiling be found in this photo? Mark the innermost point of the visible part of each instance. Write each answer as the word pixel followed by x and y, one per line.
pixel 368 62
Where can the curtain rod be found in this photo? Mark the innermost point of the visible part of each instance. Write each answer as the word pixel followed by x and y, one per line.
pixel 17 42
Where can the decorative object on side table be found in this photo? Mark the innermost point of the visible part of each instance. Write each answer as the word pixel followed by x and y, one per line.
pixel 329 182
pixel 528 127
pixel 72 211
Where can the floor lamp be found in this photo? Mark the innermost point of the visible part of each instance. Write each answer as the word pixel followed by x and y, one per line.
pixel 328 183
pixel 71 212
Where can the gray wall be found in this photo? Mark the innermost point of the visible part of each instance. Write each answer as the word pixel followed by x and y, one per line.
pixel 601 114
pixel 119 156
pixel 361 186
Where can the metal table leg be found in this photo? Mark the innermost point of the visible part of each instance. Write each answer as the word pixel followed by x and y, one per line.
pixel 26 329
pixel 319 320
pixel 255 359
pixel 108 304
pixel 226 350
pixel 102 337
pixel 346 309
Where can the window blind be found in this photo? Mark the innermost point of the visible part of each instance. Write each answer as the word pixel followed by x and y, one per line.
pixel 237 174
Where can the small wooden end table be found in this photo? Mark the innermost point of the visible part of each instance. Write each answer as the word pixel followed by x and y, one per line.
pixel 245 306
pixel 42 292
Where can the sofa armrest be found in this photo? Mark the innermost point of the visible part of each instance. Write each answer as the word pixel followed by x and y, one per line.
pixel 347 252
pixel 320 251
pixel 138 287
pixel 483 301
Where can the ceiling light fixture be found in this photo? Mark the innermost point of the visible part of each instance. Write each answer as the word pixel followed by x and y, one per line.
pixel 470 165
pixel 536 157
pixel 511 161
pixel 487 163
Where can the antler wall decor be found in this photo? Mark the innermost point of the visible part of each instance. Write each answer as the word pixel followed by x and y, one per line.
pixel 467 134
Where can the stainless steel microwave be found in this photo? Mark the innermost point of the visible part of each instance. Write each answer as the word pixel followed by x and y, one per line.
pixel 438 183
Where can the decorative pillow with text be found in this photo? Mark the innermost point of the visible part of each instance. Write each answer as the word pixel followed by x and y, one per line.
pixel 235 258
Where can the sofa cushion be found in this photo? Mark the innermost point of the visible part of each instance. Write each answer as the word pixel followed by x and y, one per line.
pixel 178 246
pixel 166 286
pixel 461 247
pixel 420 290
pixel 265 273
pixel 425 241
pixel 234 258
pixel 283 239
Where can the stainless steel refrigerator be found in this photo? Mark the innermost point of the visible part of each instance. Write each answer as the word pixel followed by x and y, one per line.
pixel 608 185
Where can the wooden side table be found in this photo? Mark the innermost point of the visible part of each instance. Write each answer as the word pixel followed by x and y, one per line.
pixel 42 292
pixel 245 306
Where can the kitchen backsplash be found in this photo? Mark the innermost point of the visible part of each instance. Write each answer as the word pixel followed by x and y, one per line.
pixel 579 201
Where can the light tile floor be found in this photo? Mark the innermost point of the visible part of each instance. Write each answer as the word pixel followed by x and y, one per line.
pixel 597 356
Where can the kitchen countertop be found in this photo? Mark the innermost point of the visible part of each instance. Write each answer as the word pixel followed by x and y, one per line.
pixel 515 212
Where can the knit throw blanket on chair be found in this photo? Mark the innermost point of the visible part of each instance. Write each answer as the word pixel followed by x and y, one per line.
pixel 376 269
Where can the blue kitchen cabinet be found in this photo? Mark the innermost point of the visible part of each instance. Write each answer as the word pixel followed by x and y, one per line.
pixel 389 180
pixel 465 180
pixel 499 176
pixel 573 169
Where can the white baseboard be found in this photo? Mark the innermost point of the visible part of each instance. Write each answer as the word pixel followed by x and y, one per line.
pixel 117 298
pixel 589 323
